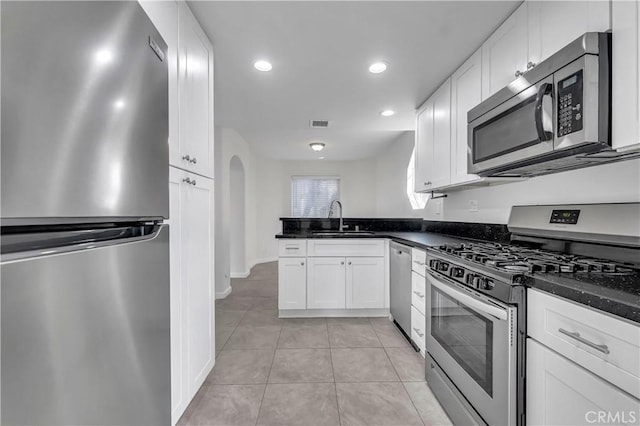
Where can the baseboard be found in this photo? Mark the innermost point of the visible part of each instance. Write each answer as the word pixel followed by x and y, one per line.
pixel 265 260
pixel 223 294
pixel 239 274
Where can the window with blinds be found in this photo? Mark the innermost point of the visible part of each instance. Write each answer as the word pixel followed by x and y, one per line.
pixel 311 196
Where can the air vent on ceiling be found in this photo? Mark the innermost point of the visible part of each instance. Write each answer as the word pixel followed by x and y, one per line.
pixel 320 124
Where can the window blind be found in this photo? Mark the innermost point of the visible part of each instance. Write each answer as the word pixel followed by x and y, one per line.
pixel 311 196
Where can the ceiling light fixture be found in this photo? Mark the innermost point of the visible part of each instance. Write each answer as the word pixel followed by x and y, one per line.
pixel 377 67
pixel 387 113
pixel 316 146
pixel 262 65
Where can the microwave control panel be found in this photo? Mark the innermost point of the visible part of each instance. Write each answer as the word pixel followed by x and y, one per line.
pixel 570 113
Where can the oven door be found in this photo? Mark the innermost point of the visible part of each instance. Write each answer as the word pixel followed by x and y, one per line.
pixel 473 340
pixel 516 130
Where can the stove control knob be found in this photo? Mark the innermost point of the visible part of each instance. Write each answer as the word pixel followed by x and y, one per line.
pixel 488 284
pixel 477 282
pixel 469 279
pixel 433 264
pixel 457 272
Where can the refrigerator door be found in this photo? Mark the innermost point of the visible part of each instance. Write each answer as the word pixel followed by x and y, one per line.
pixel 85 333
pixel 84 113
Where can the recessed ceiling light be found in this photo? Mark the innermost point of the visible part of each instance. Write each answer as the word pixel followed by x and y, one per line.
pixel 317 146
pixel 321 158
pixel 377 67
pixel 262 65
pixel 387 113
pixel 103 56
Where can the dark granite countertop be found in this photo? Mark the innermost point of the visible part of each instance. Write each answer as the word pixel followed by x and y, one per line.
pixel 421 240
pixel 618 295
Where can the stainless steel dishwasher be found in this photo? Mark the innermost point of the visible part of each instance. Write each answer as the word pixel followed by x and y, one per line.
pixel 400 282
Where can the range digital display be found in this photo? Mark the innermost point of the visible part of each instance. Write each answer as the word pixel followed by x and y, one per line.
pixel 569 81
pixel 568 217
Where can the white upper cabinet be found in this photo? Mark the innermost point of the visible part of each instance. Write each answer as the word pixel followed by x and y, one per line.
pixel 554 24
pixel 433 141
pixel 441 171
pixel 466 93
pixel 424 147
pixel 194 151
pixel 504 53
pixel 626 75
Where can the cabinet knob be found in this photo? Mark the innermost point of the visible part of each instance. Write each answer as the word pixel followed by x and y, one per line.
pixel 530 65
pixel 342 263
pixel 189 181
pixel 194 160
pixel 186 158
pixel 427 183
pixel 302 263
pixel 518 73
pixel 349 263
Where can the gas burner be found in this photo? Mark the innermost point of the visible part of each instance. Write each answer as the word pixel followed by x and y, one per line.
pixel 515 259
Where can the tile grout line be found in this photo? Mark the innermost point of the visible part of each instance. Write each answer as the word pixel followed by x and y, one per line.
pixel 269 374
pixel 333 373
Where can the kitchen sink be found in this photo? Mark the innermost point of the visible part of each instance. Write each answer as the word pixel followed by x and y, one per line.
pixel 338 233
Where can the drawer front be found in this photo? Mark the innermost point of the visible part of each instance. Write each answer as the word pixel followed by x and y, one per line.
pixel 418 260
pixel 602 344
pixel 565 394
pixel 346 248
pixel 418 327
pixel 292 248
pixel 418 284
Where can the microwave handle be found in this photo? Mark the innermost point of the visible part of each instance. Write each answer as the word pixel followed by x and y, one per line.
pixel 544 90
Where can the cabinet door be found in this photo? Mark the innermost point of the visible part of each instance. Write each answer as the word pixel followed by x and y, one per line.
pixel 196 97
pixel 626 75
pixel 466 93
pixel 424 147
pixel 505 52
pixel 554 24
pixel 365 282
pixel 178 297
pixel 164 15
pixel 197 271
pixel 325 283
pixel 562 393
pixel 292 283
pixel 441 166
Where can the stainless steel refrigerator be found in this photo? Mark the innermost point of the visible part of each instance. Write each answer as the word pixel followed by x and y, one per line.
pixel 84 292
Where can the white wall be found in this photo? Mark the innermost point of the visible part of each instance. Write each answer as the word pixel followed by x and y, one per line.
pixel 617 182
pixel 391 178
pixel 273 194
pixel 237 237
pixel 610 183
pixel 229 144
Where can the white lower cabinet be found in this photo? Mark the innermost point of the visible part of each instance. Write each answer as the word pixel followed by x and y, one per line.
pixel 292 279
pixel 192 292
pixel 365 282
pixel 326 283
pixel 559 392
pixel 418 329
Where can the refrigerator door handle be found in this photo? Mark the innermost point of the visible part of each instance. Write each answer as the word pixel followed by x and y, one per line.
pixel 66 242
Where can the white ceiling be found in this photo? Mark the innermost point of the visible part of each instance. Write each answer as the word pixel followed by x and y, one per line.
pixel 321 51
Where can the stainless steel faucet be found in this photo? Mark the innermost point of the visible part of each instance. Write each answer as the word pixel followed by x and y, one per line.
pixel 341 227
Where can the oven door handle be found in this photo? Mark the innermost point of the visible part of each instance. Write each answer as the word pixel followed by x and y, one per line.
pixel 470 301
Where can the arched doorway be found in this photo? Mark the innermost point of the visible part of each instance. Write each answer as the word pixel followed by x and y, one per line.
pixel 238 267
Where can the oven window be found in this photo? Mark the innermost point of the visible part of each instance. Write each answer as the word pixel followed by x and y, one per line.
pixel 465 335
pixel 509 131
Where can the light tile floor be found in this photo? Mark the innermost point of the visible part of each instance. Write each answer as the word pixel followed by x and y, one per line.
pixel 318 371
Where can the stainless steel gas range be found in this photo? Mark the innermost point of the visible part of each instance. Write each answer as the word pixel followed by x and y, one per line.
pixel 476 299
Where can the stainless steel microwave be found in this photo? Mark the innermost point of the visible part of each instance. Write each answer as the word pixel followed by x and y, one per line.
pixel 555 117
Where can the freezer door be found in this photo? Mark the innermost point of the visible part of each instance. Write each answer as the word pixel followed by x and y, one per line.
pixel 85 335
pixel 84 111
